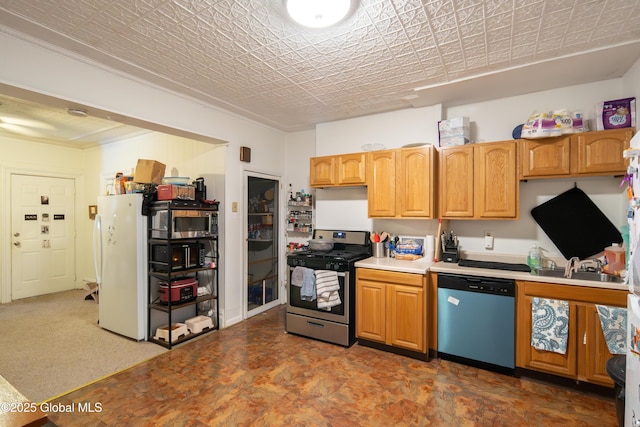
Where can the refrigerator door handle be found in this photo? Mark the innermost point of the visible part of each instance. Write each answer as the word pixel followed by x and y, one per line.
pixel 97 248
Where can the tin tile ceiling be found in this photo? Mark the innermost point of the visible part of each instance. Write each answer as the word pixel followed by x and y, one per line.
pixel 246 56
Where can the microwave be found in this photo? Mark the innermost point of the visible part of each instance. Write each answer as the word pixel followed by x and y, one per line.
pixel 177 257
pixel 183 223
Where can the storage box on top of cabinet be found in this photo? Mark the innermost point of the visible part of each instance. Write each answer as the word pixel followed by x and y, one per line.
pixel 454 131
pixel 149 171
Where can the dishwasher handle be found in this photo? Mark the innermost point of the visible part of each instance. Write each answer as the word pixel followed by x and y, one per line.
pixel 487 285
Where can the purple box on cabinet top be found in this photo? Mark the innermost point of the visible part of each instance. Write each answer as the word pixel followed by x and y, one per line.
pixel 619 113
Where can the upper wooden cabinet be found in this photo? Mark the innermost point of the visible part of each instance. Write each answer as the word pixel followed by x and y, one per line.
pixel 582 154
pixel 479 181
pixel 338 171
pixel 401 183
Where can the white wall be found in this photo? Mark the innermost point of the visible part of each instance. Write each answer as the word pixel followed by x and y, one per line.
pixel 346 208
pixel 494 120
pixel 27 157
pixel 490 121
pixel 631 85
pixel 182 157
pixel 61 75
pixel 300 146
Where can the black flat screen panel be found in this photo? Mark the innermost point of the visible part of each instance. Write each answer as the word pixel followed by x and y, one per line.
pixel 576 225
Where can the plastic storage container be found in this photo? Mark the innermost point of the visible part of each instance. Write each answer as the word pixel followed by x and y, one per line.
pixel 615 259
pixel 534 260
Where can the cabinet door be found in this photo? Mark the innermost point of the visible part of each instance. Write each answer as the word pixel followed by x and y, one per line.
pixel 351 169
pixel 596 352
pixel 456 182
pixel 415 182
pixel 545 157
pixel 602 152
pixel 381 183
pixel 496 180
pixel 406 327
pixel 371 310
pixel 322 171
pixel 546 361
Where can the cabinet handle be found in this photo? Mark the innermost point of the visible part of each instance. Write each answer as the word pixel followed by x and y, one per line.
pixel 584 339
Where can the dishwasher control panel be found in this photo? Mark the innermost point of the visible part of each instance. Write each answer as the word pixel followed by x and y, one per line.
pixel 486 285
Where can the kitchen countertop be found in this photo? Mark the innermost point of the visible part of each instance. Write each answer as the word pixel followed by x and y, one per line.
pixel 419 266
pixel 422 266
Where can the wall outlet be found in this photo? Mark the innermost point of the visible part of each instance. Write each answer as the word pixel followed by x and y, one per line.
pixel 488 240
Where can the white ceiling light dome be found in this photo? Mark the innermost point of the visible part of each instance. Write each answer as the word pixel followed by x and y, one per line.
pixel 318 13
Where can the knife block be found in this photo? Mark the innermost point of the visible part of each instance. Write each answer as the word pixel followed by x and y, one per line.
pixel 450 254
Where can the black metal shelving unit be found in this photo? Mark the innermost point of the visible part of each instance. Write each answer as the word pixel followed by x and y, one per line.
pixel 161 272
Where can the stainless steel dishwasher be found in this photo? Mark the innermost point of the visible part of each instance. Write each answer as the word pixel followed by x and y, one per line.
pixel 476 321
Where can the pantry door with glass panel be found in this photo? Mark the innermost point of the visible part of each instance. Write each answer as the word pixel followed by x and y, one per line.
pixel 262 201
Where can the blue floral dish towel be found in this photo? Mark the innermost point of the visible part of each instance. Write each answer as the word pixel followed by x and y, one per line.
pixel 614 326
pixel 550 325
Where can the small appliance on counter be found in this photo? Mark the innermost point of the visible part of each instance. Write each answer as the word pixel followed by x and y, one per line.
pixel 450 252
pixel 179 291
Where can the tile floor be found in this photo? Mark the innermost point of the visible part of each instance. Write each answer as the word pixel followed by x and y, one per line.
pixel 254 374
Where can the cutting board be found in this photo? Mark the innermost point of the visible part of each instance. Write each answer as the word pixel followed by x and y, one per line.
pixel 576 225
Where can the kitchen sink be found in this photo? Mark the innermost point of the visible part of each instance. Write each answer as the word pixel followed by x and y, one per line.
pixel 579 275
pixel 552 272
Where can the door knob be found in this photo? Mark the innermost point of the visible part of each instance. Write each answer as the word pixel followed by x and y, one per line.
pixel 16 244
pixel 16 234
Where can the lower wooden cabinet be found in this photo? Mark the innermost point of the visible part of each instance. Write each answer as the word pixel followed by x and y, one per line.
pixel 391 308
pixel 587 352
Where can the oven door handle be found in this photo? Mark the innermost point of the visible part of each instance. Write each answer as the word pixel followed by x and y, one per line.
pixel 340 273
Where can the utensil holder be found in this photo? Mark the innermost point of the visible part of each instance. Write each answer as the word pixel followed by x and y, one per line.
pixel 380 250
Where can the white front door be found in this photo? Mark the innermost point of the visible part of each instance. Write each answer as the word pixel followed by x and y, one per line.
pixel 42 235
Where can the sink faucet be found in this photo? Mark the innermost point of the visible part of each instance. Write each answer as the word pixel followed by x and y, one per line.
pixel 572 265
pixel 596 261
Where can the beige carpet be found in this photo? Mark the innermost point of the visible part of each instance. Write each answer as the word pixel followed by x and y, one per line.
pixel 52 344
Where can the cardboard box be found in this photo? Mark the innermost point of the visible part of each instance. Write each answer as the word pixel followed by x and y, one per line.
pixel 149 172
pixel 176 192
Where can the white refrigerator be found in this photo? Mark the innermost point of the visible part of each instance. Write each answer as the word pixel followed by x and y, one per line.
pixel 632 371
pixel 120 261
pixel 632 383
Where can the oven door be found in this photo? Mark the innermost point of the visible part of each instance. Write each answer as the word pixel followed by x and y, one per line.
pixel 338 313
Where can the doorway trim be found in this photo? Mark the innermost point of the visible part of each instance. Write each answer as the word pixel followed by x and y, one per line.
pixel 6 173
pixel 245 246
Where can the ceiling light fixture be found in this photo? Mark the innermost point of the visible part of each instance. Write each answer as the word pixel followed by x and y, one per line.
pixel 318 13
pixel 77 112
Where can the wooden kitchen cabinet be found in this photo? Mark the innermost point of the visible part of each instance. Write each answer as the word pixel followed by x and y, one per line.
pixel 479 181
pixel 582 154
pixel 400 183
pixel 391 308
pixel 339 170
pixel 587 352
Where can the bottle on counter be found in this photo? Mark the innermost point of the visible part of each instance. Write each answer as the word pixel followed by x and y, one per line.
pixel 614 259
pixel 534 260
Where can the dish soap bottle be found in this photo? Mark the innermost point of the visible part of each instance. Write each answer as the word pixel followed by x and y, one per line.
pixel 534 260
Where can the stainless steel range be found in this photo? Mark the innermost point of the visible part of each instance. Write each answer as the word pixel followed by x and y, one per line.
pixel 330 314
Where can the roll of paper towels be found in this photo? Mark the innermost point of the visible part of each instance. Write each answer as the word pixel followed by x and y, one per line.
pixel 429 247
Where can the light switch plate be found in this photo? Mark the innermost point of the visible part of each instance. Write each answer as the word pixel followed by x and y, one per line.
pixel 488 241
